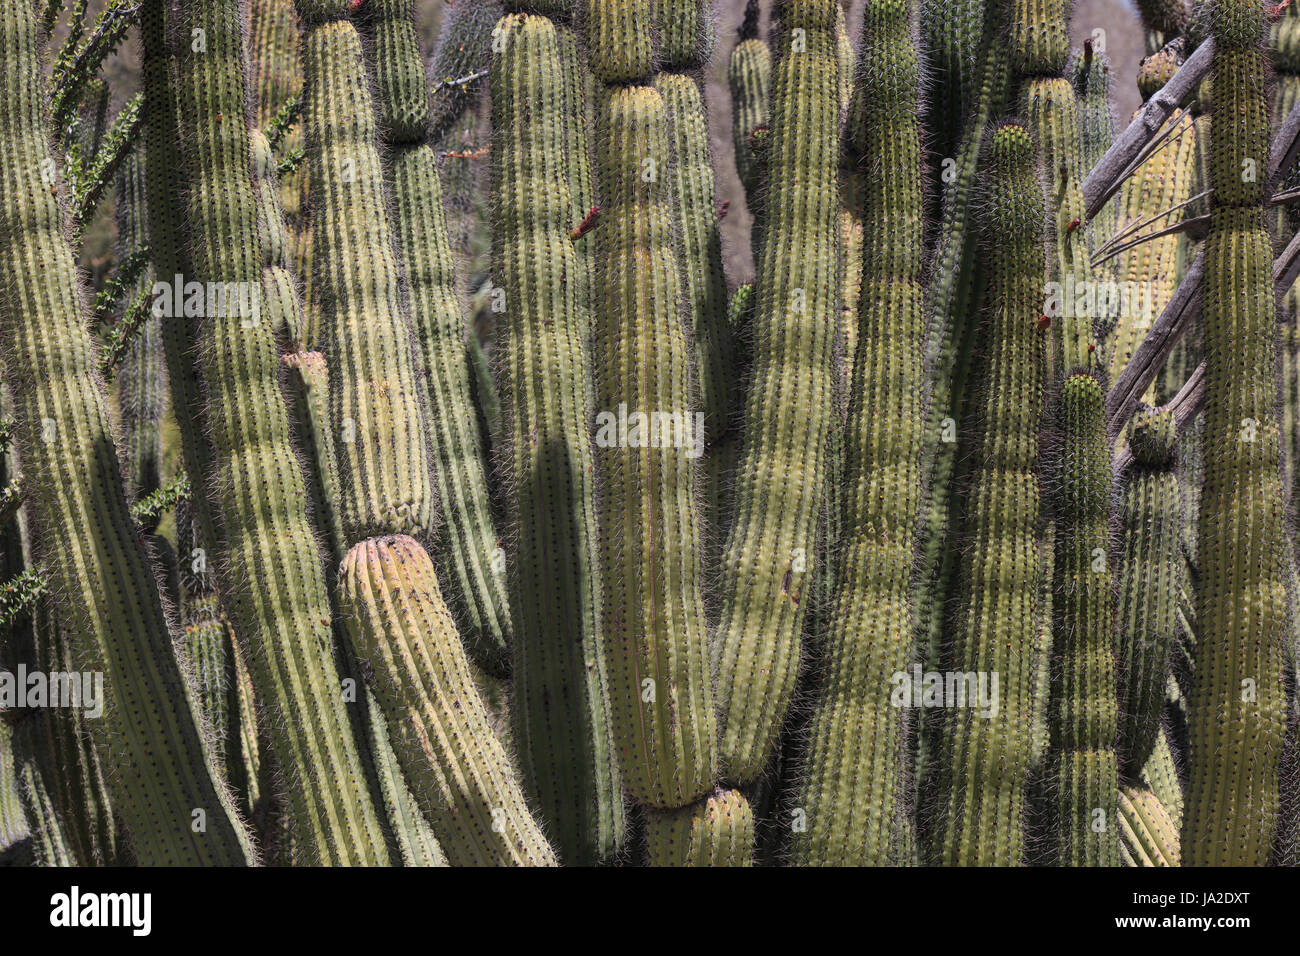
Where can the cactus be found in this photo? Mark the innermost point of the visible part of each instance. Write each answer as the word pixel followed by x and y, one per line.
pixel 984 760
pixel 1084 715
pixel 787 415
pixel 653 621
pixel 1150 577
pixel 620 40
pixel 281 611
pixel 855 763
pixel 468 548
pixel 561 712
pixel 1148 835
pixel 462 779
pixel 717 830
pixel 1241 592
pixel 749 73
pixel 114 618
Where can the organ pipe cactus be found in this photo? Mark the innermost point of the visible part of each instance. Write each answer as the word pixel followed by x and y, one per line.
pixel 786 421
pixel 561 711
pixel 1237 705
pixel 114 617
pixel 854 793
pixel 985 758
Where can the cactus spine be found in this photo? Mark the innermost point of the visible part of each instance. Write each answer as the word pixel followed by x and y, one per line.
pixel 985 760
pixel 113 618
pixel 1242 609
pixel 855 764
pixel 468 549
pixel 561 711
pixel 788 412
pixel 716 831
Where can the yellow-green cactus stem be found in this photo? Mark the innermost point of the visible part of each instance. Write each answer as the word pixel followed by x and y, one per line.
pixel 1147 833
pixel 1237 705
pixel 717 830
pixel 278 603
pixel 853 793
pixel 561 719
pixel 460 774
pixel 1083 710
pixel 468 547
pixel 984 755
pixel 653 626
pixel 1150 577
pixel 772 542
pixel 112 611
pixel 749 73
pixel 620 39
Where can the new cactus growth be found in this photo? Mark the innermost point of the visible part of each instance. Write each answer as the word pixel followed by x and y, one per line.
pixel 1237 705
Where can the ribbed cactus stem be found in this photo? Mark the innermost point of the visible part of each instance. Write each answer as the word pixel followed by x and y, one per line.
pixel 985 755
pixel 1084 715
pixel 717 830
pixel 1147 832
pixel 854 787
pixel 1150 577
pixel 1237 706
pixel 460 774
pixel 787 418
pixel 649 443
pixel 112 614
pixel 468 549
pixel 561 712
pixel 620 39
pixel 749 73
pixel 278 603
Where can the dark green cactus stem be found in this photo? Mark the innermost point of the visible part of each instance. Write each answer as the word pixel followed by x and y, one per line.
pixel 113 615
pixel 1237 706
pixel 281 306
pixel 1089 74
pixel 984 757
pixel 14 829
pixel 205 649
pixel 1163 20
pixel 953 35
pixel 1160 775
pixel 854 786
pixel 648 447
pixel 682 33
pixel 462 51
pixel 749 73
pixel 460 774
pixel 278 604
pixel 469 550
pixel 715 831
pixel 787 418
pixel 140 383
pixel 49 846
pixel 1084 713
pixel 1150 577
pixel 561 715
pixel 1147 832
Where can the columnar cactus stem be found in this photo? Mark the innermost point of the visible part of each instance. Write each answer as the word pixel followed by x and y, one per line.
pixel 715 831
pixel 1163 182
pixel 749 73
pixel 1151 575
pixel 458 771
pixel 984 757
pixel 561 711
pixel 1237 706
pixel 653 624
pixel 469 548
pixel 1148 834
pixel 853 791
pixel 1084 716
pixel 788 413
pixel 278 601
pixel 112 614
